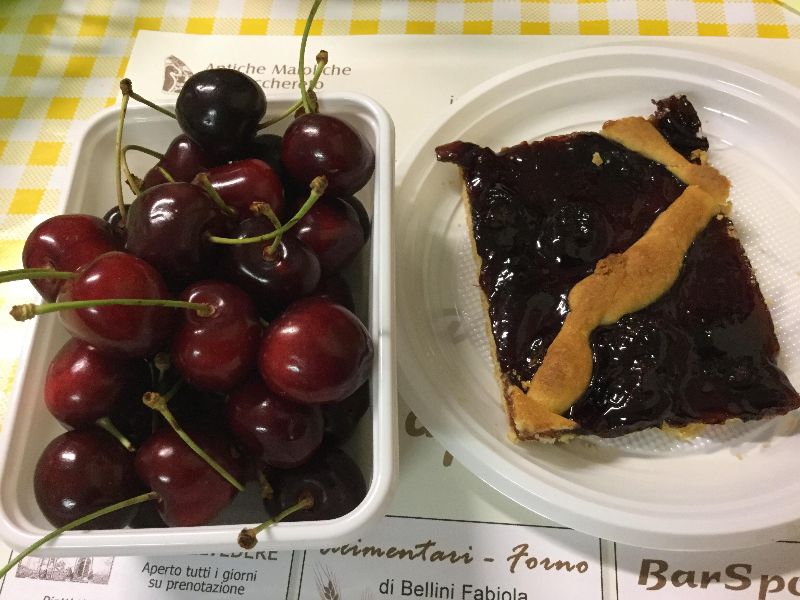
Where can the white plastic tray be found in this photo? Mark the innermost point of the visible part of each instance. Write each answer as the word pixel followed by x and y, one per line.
pixel 732 488
pixel 29 427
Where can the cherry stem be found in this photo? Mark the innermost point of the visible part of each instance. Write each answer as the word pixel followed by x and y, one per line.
pixel 159 403
pixel 322 60
pixel 34 273
pixel 127 88
pixel 247 537
pixel 105 423
pixel 123 109
pixel 264 209
pixel 23 312
pixel 318 186
pixel 166 174
pixel 306 31
pixel 132 180
pixel 76 523
pixel 212 191
pixel 142 149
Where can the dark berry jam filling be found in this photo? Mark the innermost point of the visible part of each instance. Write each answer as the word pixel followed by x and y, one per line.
pixel 543 213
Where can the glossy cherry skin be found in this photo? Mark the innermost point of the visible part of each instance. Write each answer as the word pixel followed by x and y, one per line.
pixel 168 226
pixel 191 492
pixel 331 478
pixel 183 159
pixel 220 110
pixel 332 229
pixel 82 471
pixel 136 331
pixel 318 144
pixel 84 384
pixel 246 181
pixel 66 243
pixel 279 432
pixel 315 351
pixel 274 280
pixel 216 352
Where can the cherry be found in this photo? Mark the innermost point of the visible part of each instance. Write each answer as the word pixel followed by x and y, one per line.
pixel 137 331
pixel 331 478
pixel 341 418
pixel 276 277
pixel 315 351
pixel 281 433
pixel 84 384
pixel 114 218
pixel 246 181
pixel 66 243
pixel 167 226
pixel 81 471
pixel 220 109
pixel 217 351
pixel 190 491
pixel 316 144
pixel 363 215
pixel 183 160
pixel 333 230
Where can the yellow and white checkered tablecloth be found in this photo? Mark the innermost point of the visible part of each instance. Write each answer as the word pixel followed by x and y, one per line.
pixel 60 62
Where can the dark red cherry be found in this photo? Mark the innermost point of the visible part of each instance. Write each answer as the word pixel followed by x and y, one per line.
pixel 216 352
pixel 279 432
pixel 319 144
pixel 246 181
pixel 84 384
pixel 331 478
pixel 168 225
pixel 315 351
pixel 190 491
pixel 332 229
pixel 137 331
pixel 363 215
pixel 183 159
pixel 82 471
pixel 220 109
pixel 114 218
pixel 274 280
pixel 66 243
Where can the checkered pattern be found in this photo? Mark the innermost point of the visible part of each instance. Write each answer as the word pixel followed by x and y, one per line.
pixel 60 61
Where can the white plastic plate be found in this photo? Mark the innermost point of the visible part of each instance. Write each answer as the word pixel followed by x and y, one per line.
pixel 735 486
pixel 29 427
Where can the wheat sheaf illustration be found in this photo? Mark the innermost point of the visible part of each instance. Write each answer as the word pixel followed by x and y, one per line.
pixel 327 586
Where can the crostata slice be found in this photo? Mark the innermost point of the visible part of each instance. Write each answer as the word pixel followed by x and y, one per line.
pixel 617 294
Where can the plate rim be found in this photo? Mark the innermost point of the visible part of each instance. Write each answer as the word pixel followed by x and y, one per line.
pixel 555 504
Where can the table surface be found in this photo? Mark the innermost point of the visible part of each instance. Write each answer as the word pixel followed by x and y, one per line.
pixel 60 62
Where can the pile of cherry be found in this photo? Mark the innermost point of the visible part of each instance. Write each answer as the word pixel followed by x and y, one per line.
pixel 216 299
